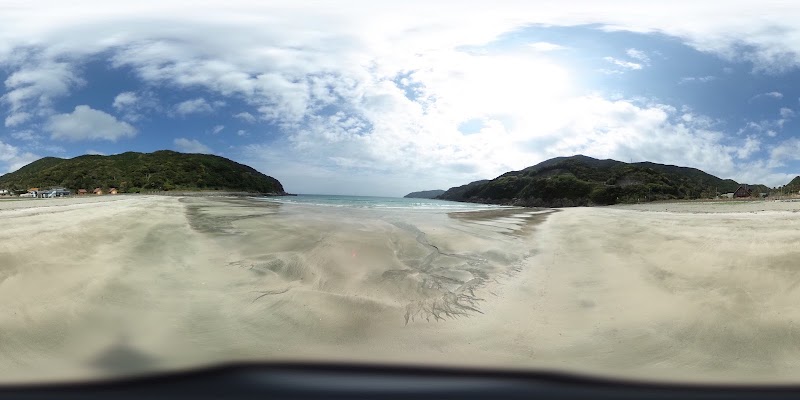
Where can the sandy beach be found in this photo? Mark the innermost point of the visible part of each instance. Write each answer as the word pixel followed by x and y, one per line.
pixel 110 286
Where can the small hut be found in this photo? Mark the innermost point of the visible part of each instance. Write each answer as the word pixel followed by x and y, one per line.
pixel 112 191
pixel 82 191
pixel 98 191
pixel 743 191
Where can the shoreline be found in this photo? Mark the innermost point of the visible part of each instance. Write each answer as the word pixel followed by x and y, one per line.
pixel 521 203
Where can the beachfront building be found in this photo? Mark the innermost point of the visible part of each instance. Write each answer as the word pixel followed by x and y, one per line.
pixel 743 191
pixel 112 191
pixel 4 192
pixel 56 192
pixel 98 191
pixel 82 192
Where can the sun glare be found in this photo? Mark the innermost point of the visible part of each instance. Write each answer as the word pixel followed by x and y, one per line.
pixel 514 83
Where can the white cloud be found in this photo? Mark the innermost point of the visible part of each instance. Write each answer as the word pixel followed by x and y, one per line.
pixel 629 65
pixel 13 158
pixel 701 79
pixel 25 136
pixel 95 152
pixel 133 106
pixel 772 95
pixel 769 127
pixel 17 118
pixel 786 150
pixel 194 106
pixel 35 85
pixel 191 146
pixel 544 47
pixel 641 60
pixel 86 123
pixel 769 40
pixel 246 117
pixel 750 146
pixel 638 55
pixel 217 129
pixel 242 132
pixel 125 100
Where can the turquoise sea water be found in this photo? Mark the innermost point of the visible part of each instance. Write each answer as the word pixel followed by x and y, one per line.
pixel 378 202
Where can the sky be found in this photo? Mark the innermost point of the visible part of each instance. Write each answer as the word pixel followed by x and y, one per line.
pixel 384 98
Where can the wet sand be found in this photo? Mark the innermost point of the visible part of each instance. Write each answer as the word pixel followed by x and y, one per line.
pixel 149 283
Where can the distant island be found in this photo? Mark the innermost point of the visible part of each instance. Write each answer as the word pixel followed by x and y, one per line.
pixel 133 172
pixel 581 181
pixel 424 194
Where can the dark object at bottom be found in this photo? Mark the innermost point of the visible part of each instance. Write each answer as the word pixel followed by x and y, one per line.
pixel 326 381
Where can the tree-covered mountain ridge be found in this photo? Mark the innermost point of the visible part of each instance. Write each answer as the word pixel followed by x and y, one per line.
pixel 132 172
pixel 424 194
pixel 580 180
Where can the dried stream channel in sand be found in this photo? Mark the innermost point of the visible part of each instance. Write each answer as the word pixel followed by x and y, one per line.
pixel 375 257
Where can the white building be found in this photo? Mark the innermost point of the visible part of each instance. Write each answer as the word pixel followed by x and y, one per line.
pixel 57 192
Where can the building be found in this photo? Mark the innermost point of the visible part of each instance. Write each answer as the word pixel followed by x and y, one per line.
pixel 56 192
pixel 4 192
pixel 82 192
pixel 112 191
pixel 743 191
pixel 98 191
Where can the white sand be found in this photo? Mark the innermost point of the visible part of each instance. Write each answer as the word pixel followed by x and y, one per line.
pixel 152 283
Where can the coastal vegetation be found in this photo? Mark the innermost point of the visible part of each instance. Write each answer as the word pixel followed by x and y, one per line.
pixel 425 194
pixel 133 172
pixel 792 187
pixel 580 180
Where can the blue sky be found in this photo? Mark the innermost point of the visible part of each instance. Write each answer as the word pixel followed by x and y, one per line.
pixel 380 100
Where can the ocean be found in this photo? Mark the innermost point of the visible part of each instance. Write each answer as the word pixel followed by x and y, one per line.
pixel 378 202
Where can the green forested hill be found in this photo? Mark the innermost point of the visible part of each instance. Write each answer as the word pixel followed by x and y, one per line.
pixel 793 186
pixel 424 194
pixel 581 180
pixel 133 172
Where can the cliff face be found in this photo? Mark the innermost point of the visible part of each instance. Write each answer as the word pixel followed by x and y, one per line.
pixel 133 172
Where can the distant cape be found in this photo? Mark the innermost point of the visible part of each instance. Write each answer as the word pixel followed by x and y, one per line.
pixel 425 194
